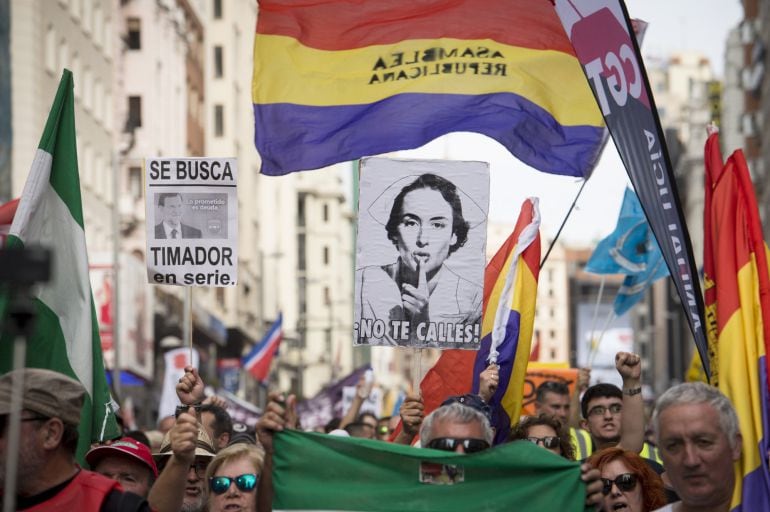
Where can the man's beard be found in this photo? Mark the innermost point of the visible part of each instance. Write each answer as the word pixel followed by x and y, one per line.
pixel 30 462
pixel 198 506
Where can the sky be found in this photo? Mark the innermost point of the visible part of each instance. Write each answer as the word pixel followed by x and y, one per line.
pixel 674 25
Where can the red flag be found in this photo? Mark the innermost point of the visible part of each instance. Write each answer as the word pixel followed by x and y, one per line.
pixel 7 211
pixel 535 355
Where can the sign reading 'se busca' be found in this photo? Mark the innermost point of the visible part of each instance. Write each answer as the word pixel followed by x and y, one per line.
pixel 192 221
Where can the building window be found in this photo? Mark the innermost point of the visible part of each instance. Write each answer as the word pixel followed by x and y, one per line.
pixel 88 13
pixel 218 62
pixel 64 54
pixel 328 340
pixel 134 37
pixel 301 265
pixel 135 182
pixel 326 212
pixel 134 113
pixel 219 120
pixel 217 9
pixel 301 210
pixel 326 255
pixel 76 72
pixel 88 89
pixel 50 49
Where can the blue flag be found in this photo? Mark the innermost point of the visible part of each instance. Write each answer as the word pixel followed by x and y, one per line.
pixel 631 250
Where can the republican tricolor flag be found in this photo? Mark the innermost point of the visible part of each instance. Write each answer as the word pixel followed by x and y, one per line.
pixel 258 361
pixel 510 294
pixel 738 287
pixel 335 80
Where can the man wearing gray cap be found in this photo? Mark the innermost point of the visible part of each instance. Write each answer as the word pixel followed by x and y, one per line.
pixel 48 476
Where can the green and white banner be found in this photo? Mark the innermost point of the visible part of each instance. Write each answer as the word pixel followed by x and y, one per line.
pixel 314 472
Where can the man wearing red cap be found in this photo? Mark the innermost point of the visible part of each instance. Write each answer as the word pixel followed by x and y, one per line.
pixel 128 461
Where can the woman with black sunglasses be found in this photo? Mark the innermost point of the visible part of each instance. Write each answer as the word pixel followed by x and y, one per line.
pixel 629 483
pixel 232 478
pixel 546 431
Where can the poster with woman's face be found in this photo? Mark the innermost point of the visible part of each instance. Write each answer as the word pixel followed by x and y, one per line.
pixel 422 228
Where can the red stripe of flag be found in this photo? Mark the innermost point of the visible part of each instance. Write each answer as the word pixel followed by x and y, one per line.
pixel 341 25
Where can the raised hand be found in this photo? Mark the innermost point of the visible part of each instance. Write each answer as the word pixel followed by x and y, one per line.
pixel 629 367
pixel 183 436
pixel 279 414
pixel 412 413
pixel 189 389
pixel 488 382
pixel 584 379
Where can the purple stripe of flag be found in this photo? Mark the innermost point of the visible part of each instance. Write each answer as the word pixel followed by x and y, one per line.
pixel 333 134
pixel 501 418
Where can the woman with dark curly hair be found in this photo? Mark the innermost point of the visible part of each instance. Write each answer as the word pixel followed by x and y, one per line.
pixel 629 483
pixel 546 431
pixel 426 226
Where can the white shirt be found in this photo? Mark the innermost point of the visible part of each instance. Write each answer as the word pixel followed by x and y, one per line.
pixel 169 227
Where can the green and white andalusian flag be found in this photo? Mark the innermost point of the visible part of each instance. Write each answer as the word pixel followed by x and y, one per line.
pixel 315 472
pixel 50 214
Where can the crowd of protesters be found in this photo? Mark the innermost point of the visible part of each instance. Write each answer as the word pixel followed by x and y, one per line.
pixel 200 461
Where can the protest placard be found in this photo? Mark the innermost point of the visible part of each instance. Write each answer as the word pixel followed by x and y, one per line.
pixel 420 253
pixel 192 221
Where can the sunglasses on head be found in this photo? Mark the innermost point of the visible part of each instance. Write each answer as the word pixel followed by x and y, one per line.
pixel 549 442
pixel 245 483
pixel 449 444
pixel 625 482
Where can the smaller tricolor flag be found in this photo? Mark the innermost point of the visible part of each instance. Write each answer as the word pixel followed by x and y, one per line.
pixel 510 293
pixel 517 264
pixel 257 362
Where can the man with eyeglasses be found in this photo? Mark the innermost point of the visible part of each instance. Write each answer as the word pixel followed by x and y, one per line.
pixel 184 455
pixel 552 398
pixel 615 417
pixel 47 476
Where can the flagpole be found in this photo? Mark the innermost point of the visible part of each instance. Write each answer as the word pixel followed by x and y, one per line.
pixel 115 298
pixel 14 422
pixel 595 350
pixel 596 308
pixel 569 212
pixel 416 368
pixel 187 319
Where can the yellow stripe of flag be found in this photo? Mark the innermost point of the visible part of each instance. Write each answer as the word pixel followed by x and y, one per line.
pixel 436 66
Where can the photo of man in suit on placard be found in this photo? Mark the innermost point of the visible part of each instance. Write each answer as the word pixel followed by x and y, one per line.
pixel 171 207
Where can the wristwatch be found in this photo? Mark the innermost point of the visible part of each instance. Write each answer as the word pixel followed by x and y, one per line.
pixel 183 408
